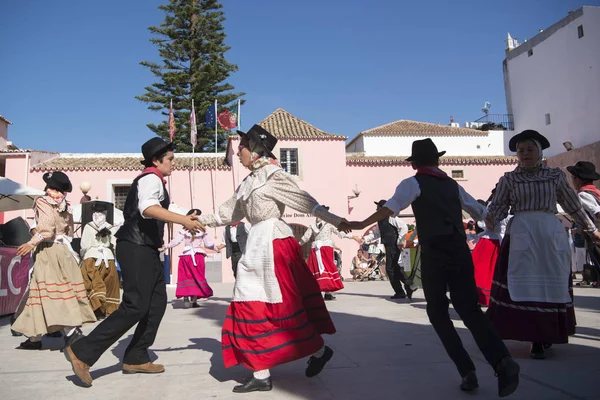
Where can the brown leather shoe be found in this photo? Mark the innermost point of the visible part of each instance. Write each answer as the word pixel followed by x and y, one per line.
pixel 147 368
pixel 81 369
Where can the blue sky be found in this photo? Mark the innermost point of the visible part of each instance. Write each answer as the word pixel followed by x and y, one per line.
pixel 69 70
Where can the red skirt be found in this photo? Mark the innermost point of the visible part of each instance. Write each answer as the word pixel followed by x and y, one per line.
pixel 261 335
pixel 485 255
pixel 329 280
pixel 527 321
pixel 191 279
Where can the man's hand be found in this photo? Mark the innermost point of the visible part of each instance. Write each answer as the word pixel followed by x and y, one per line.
pixel 596 237
pixel 190 222
pixel 25 249
pixel 349 226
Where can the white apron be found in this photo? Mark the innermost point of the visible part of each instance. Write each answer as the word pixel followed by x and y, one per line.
pixel 539 262
pixel 317 244
pixel 256 279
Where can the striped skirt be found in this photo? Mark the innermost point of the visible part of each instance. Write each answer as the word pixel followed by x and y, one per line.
pixel 527 321
pixel 261 335
pixel 329 280
pixel 191 279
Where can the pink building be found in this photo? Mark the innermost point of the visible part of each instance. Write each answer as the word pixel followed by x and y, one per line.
pixel 348 182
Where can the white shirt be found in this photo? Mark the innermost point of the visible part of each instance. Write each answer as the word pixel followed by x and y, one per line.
pixel 233 232
pixel 397 223
pixel 589 203
pixel 151 192
pixel 409 190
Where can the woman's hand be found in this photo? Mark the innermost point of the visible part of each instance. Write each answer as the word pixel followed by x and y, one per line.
pixel 191 223
pixel 25 249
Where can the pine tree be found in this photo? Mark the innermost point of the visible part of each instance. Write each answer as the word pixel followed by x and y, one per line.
pixel 191 44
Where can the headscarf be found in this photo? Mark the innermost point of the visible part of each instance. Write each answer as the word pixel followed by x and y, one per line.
pixel 258 160
pixel 538 163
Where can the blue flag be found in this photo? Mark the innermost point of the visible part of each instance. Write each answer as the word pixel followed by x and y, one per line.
pixel 211 118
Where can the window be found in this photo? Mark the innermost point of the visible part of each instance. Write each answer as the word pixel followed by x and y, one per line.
pixel 530 53
pixel 580 31
pixel 458 174
pixel 289 160
pixel 120 195
pixel 548 121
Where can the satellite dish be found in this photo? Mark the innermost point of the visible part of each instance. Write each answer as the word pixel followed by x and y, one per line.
pixel 487 105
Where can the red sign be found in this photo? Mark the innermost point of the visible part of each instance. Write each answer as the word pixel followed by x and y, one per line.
pixel 14 277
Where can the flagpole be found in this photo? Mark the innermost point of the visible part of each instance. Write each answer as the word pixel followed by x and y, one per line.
pixel 239 121
pixel 215 183
pixel 193 161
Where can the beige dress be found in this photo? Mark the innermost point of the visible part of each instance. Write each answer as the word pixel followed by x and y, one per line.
pixel 57 296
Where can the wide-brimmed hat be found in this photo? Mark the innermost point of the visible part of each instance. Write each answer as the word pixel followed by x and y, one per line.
pixel 584 170
pixel 380 203
pixel 100 206
pixel 424 149
pixel 154 147
pixel 528 134
pixel 58 181
pixel 260 135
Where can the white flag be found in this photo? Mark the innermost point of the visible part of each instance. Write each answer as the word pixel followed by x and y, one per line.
pixel 193 128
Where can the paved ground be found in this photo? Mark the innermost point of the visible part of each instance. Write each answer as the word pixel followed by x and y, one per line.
pixel 383 350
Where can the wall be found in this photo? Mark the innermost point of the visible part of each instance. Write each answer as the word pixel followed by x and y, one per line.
pixel 492 144
pixel 3 134
pixel 561 78
pixel 589 153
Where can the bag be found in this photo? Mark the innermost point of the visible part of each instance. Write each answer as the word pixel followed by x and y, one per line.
pixel 591 269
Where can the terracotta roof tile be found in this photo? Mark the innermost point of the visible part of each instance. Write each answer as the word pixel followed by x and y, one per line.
pixel 126 163
pixel 414 128
pixel 361 159
pixel 284 125
pixel 5 120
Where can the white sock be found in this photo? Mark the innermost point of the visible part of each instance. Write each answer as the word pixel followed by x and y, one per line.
pixel 320 352
pixel 68 330
pixel 262 374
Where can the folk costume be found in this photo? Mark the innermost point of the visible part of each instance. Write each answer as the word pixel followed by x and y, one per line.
pixel 144 290
pixel 437 202
pixel 277 314
pixel 531 296
pixel 191 275
pixel 322 259
pixel 56 299
pixel 98 268
pixel 234 238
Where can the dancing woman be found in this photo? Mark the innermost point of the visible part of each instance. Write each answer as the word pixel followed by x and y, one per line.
pixel 191 275
pixel 277 314
pixel 531 298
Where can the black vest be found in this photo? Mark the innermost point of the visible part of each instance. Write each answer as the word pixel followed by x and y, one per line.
pixel 389 233
pixel 241 236
pixel 137 229
pixel 438 209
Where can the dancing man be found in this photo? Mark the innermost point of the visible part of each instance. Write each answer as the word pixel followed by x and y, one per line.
pixel 437 200
pixel 144 290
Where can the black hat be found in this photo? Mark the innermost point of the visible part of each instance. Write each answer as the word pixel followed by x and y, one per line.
pixel 584 170
pixel 381 203
pixel 424 149
pixel 58 181
pixel 100 206
pixel 154 147
pixel 259 135
pixel 525 135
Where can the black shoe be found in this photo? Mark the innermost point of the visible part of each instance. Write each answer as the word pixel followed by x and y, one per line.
pixel 398 296
pixel 329 296
pixel 507 372
pixel 409 292
pixel 29 345
pixel 537 351
pixel 75 336
pixel 99 315
pixel 315 365
pixel 469 382
pixel 253 385
pixel 547 346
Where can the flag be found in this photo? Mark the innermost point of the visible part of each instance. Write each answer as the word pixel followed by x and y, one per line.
pixel 228 119
pixel 171 122
pixel 193 128
pixel 210 119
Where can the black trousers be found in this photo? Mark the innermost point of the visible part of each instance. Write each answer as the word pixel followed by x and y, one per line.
pixel 144 303
pixel 394 272
pixel 447 263
pixel 235 259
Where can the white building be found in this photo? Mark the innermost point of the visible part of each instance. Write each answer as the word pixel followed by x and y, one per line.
pixel 552 81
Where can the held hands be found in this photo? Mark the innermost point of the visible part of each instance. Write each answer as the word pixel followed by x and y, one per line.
pixel 25 249
pixel 191 223
pixel 349 226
